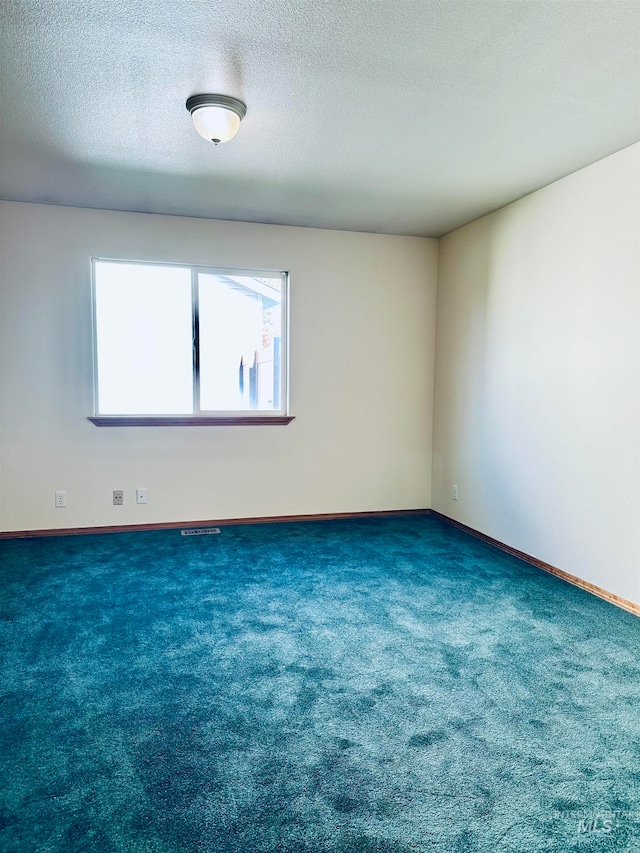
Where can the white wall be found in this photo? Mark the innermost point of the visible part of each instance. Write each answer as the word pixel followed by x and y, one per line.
pixel 362 351
pixel 537 375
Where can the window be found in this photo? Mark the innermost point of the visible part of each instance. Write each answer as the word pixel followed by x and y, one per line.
pixel 188 344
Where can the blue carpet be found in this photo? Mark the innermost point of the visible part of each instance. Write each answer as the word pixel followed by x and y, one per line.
pixel 348 686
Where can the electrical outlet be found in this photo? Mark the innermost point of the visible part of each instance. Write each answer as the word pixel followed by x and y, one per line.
pixel 454 493
pixel 61 499
pixel 118 497
pixel 141 496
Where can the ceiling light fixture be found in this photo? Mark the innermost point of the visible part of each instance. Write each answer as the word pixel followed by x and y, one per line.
pixel 216 117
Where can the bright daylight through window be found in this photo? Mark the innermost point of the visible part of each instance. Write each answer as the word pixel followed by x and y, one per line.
pixel 174 340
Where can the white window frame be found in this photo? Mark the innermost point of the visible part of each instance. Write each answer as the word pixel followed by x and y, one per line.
pixel 199 416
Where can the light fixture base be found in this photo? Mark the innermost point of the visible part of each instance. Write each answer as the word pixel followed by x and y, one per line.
pixel 226 101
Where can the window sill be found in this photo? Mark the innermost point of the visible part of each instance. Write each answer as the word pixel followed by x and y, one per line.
pixel 142 420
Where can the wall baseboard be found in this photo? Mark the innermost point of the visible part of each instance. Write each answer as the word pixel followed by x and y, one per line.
pixel 217 522
pixel 611 597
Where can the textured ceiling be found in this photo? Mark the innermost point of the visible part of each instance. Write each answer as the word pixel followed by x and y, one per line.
pixel 374 115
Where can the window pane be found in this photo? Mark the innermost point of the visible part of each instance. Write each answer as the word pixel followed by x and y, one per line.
pixel 240 342
pixel 144 339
